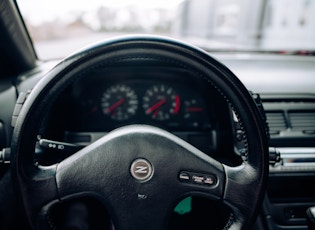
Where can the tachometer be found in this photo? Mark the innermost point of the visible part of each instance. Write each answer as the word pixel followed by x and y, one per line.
pixel 119 102
pixel 161 102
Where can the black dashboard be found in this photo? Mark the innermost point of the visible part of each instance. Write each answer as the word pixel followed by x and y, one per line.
pixel 172 99
pixel 94 105
pixel 169 98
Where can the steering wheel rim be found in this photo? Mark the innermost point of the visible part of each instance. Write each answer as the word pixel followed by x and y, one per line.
pixel 52 184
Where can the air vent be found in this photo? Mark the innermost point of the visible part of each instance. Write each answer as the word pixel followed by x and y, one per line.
pixel 302 121
pixel 276 122
pixel 291 117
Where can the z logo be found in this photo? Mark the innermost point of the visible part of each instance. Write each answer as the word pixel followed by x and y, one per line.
pixel 141 169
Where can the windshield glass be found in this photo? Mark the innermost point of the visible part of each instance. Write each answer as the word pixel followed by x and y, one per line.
pixel 60 27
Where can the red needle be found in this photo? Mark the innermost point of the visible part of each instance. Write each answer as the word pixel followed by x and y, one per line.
pixel 156 106
pixel 177 103
pixel 114 106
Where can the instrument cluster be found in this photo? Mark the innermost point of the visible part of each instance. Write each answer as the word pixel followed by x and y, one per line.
pixel 172 105
pixel 159 102
pixel 176 101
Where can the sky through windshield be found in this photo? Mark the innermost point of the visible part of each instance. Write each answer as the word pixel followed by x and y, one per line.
pixel 59 27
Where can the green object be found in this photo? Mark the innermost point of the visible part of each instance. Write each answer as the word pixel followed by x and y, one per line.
pixel 184 206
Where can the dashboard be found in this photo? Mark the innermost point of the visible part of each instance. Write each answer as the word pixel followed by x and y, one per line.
pixel 176 101
pixel 169 98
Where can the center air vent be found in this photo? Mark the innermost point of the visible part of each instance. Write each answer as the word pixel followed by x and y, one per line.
pixel 303 121
pixel 276 122
pixel 291 118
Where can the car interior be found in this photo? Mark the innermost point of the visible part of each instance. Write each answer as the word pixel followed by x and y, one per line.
pixel 151 131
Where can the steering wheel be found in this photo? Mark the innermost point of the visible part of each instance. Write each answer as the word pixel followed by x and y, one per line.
pixel 139 172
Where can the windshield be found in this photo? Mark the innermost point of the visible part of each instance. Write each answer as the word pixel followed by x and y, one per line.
pixel 60 27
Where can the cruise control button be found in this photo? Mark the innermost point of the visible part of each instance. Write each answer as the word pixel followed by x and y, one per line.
pixel 198 179
pixel 184 177
pixel 209 180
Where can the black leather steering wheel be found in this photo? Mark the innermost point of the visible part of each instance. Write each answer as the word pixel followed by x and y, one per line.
pixel 139 171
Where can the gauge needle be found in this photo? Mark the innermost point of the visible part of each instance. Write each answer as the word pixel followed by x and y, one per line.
pixel 156 106
pixel 115 105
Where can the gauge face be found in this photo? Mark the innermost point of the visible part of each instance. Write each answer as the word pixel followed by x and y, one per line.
pixel 119 102
pixel 195 113
pixel 161 102
pixel 193 108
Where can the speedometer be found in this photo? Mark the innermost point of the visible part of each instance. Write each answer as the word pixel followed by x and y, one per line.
pixel 161 102
pixel 119 102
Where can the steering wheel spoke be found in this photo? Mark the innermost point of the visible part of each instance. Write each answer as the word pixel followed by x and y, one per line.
pixel 40 188
pixel 145 213
pixel 126 155
pixel 241 183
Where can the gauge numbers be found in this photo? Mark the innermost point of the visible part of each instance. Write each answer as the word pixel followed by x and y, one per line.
pixel 193 108
pixel 161 102
pixel 119 102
